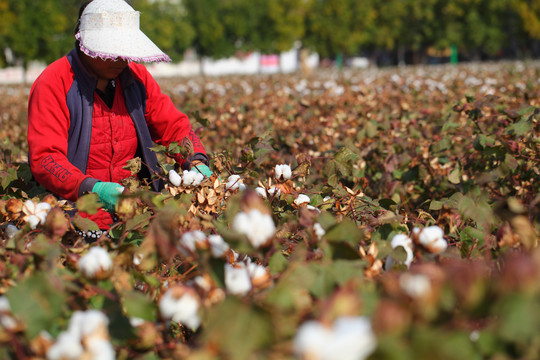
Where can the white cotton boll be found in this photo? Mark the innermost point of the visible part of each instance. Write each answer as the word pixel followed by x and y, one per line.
pixel 415 285
pixel 233 182
pixel 101 349
pixel 218 246
pixel 42 210
pixel 350 338
pixel 319 231
pixel 11 230
pixel 283 172
pixel 237 279
pixel 258 227
pixel 136 322
pixel 274 190
pixel 406 243
pixel 4 304
pixel 29 207
pixel 261 191
pixel 67 347
pixel 8 322
pixel 190 240
pixel 432 238
pixel 95 262
pixel 175 178
pixel 33 220
pixel 192 177
pixel 181 306
pixel 311 339
pixel 137 259
pixel 85 323
pixel 256 271
pixel 353 339
pixel 310 207
pixel 302 199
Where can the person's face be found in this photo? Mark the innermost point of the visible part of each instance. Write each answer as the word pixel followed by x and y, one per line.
pixel 105 69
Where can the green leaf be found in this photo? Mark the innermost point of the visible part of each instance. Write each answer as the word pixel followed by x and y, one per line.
pixel 346 231
pixel 201 120
pixel 89 203
pixel 139 305
pixel 435 205
pixel 455 176
pixel 37 303
pixel 84 224
pixel 520 128
pixel 139 221
pixel 277 263
pixel 237 329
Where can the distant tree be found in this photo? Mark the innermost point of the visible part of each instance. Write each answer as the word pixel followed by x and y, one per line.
pixel 338 26
pixel 166 23
pixel 40 30
pixel 7 18
pixel 529 11
pixel 474 25
pixel 205 16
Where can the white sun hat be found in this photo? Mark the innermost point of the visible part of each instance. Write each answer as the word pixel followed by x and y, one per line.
pixel 109 29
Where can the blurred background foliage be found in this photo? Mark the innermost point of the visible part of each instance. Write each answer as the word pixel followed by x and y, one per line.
pixel 396 31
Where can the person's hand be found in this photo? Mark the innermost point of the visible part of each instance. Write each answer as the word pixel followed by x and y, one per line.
pixel 108 193
pixel 203 169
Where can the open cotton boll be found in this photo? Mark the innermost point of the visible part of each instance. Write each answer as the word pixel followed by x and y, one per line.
pixel 319 231
pixel 237 279
pixel 191 240
pixel 406 243
pixel 88 323
pixel 218 246
pixel 259 228
pixel 67 346
pixel 233 182
pixel 101 349
pixel 192 178
pixel 274 190
pixel 11 230
pixel 175 178
pixel 4 304
pixel 302 199
pixel 415 285
pixel 181 304
pixel 350 338
pixel 35 214
pixel 261 191
pixel 96 263
pixel 283 172
pixel 431 238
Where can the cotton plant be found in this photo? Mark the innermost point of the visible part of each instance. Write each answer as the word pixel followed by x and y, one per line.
pixel 319 231
pixel 258 227
pixel 87 337
pixel 348 338
pixel 181 304
pixel 95 264
pixel 35 214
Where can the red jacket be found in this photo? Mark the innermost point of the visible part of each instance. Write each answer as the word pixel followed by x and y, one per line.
pixel 63 129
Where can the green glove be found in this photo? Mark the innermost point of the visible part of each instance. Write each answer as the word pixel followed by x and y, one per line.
pixel 203 169
pixel 108 193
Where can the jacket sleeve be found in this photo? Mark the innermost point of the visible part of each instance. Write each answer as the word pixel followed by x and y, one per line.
pixel 165 122
pixel 48 126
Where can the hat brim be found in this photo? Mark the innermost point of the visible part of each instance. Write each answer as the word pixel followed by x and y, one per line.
pixel 131 45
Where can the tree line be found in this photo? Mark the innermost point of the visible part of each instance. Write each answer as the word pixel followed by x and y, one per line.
pixel 409 30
